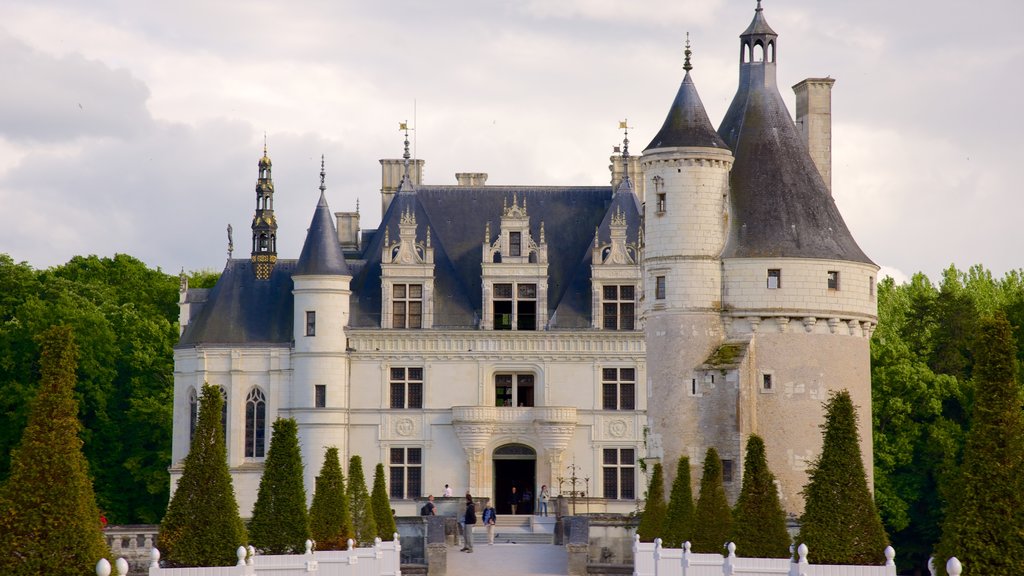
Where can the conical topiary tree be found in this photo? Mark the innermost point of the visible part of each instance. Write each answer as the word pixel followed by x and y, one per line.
pixel 330 522
pixel 363 523
pixel 712 521
pixel 279 522
pixel 382 515
pixel 679 523
pixel 984 526
pixel 652 519
pixel 840 523
pixel 202 526
pixel 49 521
pixel 759 523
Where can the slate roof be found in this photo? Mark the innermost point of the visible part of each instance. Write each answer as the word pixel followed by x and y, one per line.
pixel 687 123
pixel 321 252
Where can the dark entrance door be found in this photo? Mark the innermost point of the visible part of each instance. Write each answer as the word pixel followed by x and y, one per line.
pixel 514 465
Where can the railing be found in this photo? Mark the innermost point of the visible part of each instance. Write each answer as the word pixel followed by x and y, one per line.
pixel 524 415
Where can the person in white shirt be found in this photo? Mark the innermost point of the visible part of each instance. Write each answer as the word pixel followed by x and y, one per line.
pixel 447 491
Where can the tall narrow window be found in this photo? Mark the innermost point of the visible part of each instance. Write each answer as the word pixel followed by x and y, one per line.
pixel 727 467
pixel 618 388
pixel 502 306
pixel 310 323
pixel 255 423
pixel 774 278
pixel 515 243
pixel 618 307
pixel 223 412
pixel 320 396
pixel 619 471
pixel 515 305
pixel 406 388
pixel 514 390
pixel 871 286
pixel 193 413
pixel 526 307
pixel 406 473
pixel 833 280
pixel 659 287
pixel 407 306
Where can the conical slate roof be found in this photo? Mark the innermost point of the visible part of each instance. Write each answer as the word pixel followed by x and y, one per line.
pixel 321 253
pixel 687 123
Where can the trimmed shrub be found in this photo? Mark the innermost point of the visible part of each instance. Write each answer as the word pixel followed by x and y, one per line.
pixel 759 523
pixel 363 523
pixel 840 523
pixel 49 521
pixel 279 522
pixel 382 515
pixel 202 526
pixel 652 519
pixel 712 518
pixel 679 523
pixel 330 522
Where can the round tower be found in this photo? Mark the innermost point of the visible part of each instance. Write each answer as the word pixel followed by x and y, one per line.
pixel 319 393
pixel 686 171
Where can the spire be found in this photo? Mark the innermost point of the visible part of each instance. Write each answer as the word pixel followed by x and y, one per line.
pixel 321 252
pixel 687 122
pixel 264 224
pixel 625 185
pixel 406 184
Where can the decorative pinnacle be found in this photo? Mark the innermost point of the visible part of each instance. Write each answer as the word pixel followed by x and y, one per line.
pixel 758 9
pixel 323 175
pixel 686 62
pixel 264 143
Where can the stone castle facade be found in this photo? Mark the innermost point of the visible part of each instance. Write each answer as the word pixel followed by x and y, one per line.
pixel 491 336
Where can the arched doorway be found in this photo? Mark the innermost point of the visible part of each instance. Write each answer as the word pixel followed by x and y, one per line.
pixel 514 465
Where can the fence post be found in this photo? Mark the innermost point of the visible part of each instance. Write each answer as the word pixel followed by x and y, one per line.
pixel 154 558
pixel 122 567
pixel 953 567
pixel 103 567
pixel 252 555
pixel 728 567
pixel 240 553
pixel 931 565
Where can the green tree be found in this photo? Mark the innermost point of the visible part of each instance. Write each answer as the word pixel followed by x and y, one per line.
pixel 279 523
pixel 679 523
pixel 382 515
pixel 759 523
pixel 840 523
pixel 202 526
pixel 330 522
pixel 363 522
pixel 984 526
pixel 712 517
pixel 49 521
pixel 652 519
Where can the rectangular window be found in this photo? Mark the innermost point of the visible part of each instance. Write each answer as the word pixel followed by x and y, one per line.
pixel 515 243
pixel 833 280
pixel 618 307
pixel 726 470
pixel 407 306
pixel 310 323
pixel 871 286
pixel 619 472
pixel 695 387
pixel 766 382
pixel 406 388
pixel 659 287
pixel 515 305
pixel 406 473
pixel 774 278
pixel 320 396
pixel 618 388
pixel 514 390
pixel 661 203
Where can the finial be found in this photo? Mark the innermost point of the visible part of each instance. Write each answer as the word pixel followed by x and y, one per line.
pixel 323 175
pixel 758 6
pixel 542 232
pixel 624 126
pixel 357 205
pixel 404 126
pixel 264 143
pixel 597 241
pixel 428 236
pixel 231 242
pixel 487 233
pixel 686 62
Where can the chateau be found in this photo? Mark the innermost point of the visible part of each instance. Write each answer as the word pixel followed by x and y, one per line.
pixel 490 336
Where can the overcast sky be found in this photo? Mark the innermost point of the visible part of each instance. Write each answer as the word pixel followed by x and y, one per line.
pixel 135 127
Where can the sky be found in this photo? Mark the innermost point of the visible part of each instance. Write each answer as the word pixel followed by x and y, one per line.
pixel 135 127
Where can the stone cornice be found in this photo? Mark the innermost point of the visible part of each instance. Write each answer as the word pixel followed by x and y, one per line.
pixel 480 344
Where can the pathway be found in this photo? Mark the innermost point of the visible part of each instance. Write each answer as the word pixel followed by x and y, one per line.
pixel 508 560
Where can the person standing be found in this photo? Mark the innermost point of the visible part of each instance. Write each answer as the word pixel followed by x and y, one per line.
pixel 513 500
pixel 447 491
pixel 470 520
pixel 490 519
pixel 542 501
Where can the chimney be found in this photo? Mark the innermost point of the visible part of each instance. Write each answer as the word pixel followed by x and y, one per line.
pixel 471 178
pixel 814 120
pixel 636 175
pixel 348 231
pixel 391 177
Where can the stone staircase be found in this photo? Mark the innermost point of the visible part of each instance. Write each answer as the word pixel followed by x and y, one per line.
pixel 523 529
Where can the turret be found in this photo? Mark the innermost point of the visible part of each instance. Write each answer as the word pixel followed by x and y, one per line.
pixel 264 225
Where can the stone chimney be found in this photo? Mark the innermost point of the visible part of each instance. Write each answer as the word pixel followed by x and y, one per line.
pixel 636 174
pixel 471 178
pixel 348 230
pixel 814 120
pixel 391 177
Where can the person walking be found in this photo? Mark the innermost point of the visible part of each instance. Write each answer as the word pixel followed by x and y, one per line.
pixel 470 520
pixel 542 501
pixel 429 509
pixel 513 500
pixel 490 519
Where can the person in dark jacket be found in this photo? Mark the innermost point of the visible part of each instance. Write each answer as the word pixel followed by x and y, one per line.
pixel 470 521
pixel 513 500
pixel 490 519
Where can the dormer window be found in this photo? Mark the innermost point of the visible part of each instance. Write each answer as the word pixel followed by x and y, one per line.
pixel 515 305
pixel 407 306
pixel 515 243
pixel 618 307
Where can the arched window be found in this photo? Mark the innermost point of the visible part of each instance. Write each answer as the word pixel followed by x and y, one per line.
pixel 758 51
pixel 771 51
pixel 255 423
pixel 223 412
pixel 745 52
pixel 193 413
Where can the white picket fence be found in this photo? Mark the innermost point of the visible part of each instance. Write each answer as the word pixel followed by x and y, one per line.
pixel 383 559
pixel 650 559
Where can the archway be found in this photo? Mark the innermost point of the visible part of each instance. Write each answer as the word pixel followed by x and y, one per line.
pixel 514 465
